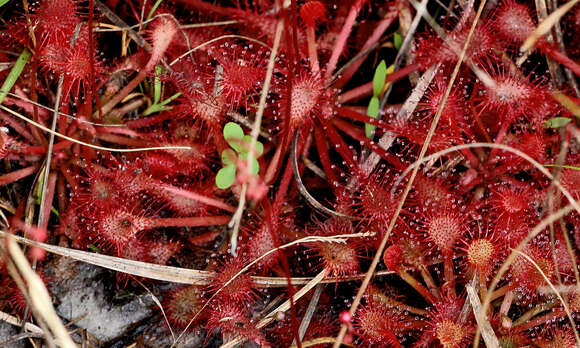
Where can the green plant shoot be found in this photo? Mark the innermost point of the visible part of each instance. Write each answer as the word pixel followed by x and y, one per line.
pixel 239 143
pixel 379 86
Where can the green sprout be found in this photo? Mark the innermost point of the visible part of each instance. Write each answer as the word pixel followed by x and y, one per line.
pixel 379 87
pixel 14 74
pixel 159 105
pixel 397 40
pixel 557 122
pixel 240 144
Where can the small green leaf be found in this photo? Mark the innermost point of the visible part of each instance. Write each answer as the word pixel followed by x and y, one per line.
pixel 372 111
pixel 259 149
pixel 255 166
pixel 226 177
pixel 3 2
pixel 154 108
pixel 157 84
pixel 170 99
pixel 259 146
pixel 557 122
pixel 397 40
pixel 228 157
pixel 565 166
pixel 14 74
pixel 233 134
pixel 153 9
pixel 94 248
pixel 379 78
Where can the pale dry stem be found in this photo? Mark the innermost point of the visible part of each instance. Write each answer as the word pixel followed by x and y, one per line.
pixel 564 304
pixel 209 42
pixel 546 25
pixel 40 299
pixel 513 255
pixel 237 218
pixel 167 273
pixel 92 146
pixel 432 129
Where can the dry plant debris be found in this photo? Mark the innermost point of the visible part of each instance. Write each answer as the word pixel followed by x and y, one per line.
pixel 295 173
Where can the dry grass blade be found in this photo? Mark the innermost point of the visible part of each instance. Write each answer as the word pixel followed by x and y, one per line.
pixel 282 308
pixel 403 198
pixel 546 25
pixel 237 218
pixel 136 268
pixel 168 273
pixel 512 257
pixel 96 147
pixel 40 299
pixel 12 320
pixel 564 304
pixel 309 312
pixel 310 239
pixel 489 336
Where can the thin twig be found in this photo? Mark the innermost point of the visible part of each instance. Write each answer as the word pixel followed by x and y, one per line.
pixel 489 336
pixel 176 274
pixel 237 218
pixel 513 255
pixel 302 189
pixel 40 299
pixel 403 198
pixel 96 147
pixel 112 16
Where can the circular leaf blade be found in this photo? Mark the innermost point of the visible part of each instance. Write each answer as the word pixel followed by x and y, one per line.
pixel 225 177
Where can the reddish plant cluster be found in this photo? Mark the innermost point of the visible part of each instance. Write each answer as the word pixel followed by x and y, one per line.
pixel 139 137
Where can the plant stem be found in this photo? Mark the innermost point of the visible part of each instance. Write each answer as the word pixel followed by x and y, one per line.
pixel 558 56
pixel 189 221
pixel 533 312
pixel 342 37
pixel 409 279
pixel 17 175
pixel 312 54
pixel 14 74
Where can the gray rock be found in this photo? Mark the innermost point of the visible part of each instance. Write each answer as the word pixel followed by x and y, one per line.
pixel 80 293
pixel 7 332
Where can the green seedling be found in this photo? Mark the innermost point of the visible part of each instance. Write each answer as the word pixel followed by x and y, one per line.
pixel 39 195
pixel 557 122
pixel 240 146
pixel 397 40
pixel 14 74
pixel 565 166
pixel 159 105
pixel 379 87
